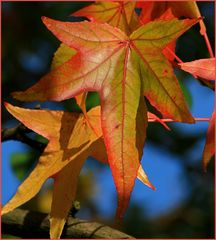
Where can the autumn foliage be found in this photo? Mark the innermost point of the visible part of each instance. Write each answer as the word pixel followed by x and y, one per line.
pixel 127 58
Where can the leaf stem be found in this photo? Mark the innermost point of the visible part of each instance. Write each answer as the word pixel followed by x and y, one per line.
pixel 171 120
pixel 208 45
pixel 174 55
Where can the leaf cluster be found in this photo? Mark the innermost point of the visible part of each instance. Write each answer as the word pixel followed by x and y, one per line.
pixel 128 59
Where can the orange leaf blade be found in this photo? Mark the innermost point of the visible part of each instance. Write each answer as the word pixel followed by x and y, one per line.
pixel 64 193
pixel 71 141
pixel 204 68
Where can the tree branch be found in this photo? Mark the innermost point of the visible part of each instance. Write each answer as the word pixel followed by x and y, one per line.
pixel 29 224
pixel 18 133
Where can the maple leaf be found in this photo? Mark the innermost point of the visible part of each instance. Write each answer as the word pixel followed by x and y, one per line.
pixel 170 48
pixel 188 9
pixel 71 141
pixel 117 14
pixel 120 68
pixel 204 68
pixel 167 10
pixel 64 193
pixel 209 149
pixel 121 15
pixel 63 54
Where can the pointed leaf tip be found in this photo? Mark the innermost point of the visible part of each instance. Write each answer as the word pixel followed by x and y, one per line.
pixel 192 21
pixel 151 186
pixel 46 21
pixel 204 167
pixel 44 18
pixel 6 104
pixel 144 179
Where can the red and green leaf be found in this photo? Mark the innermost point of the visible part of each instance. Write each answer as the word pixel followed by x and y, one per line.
pixel 189 9
pixel 117 14
pixel 121 69
pixel 152 10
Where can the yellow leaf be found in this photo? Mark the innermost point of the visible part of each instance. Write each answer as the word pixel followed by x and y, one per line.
pixel 143 178
pixel 80 100
pixel 70 139
pixel 64 193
